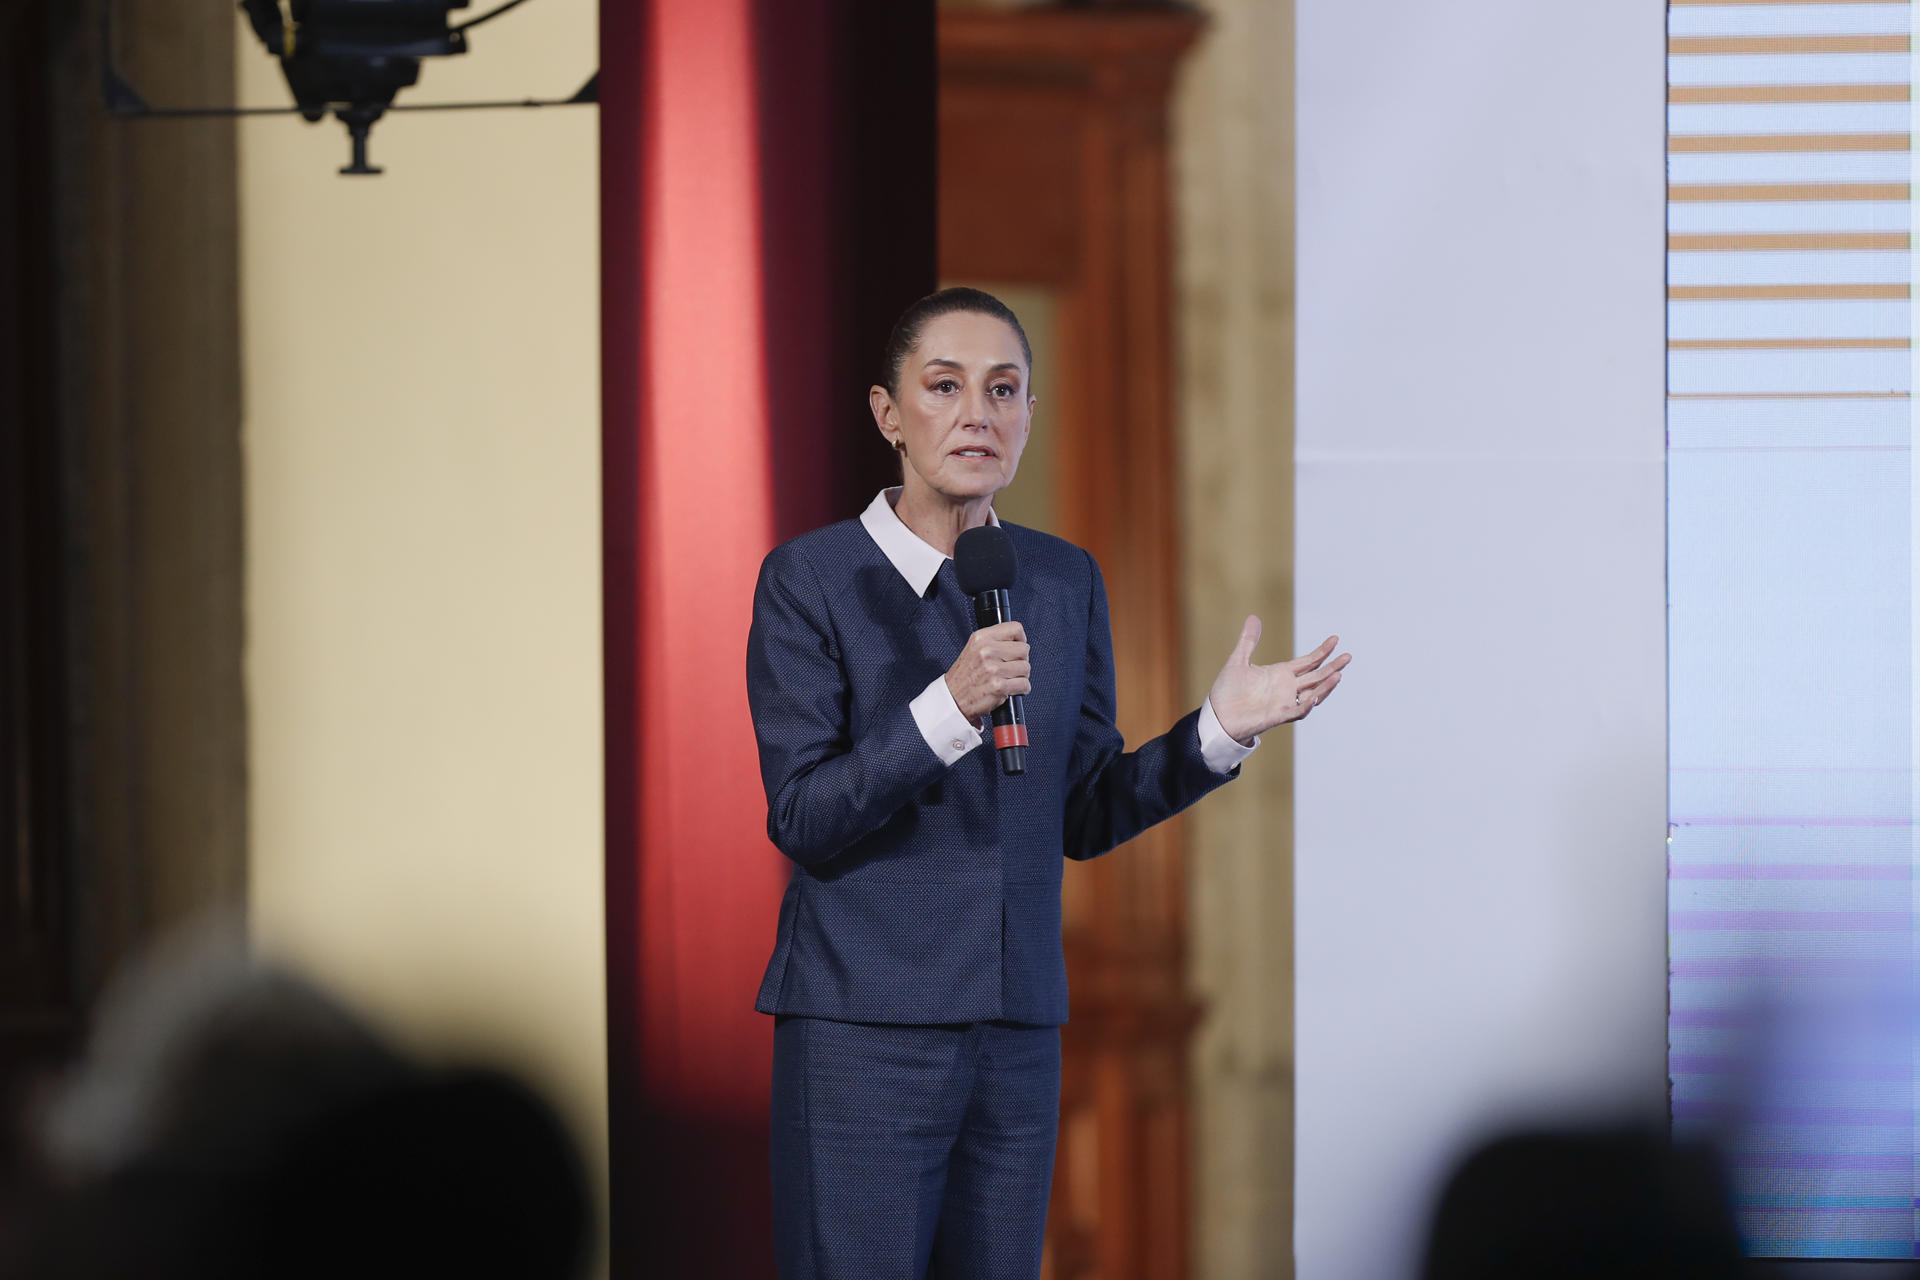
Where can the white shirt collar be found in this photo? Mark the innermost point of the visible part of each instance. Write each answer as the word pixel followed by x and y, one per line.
pixel 918 562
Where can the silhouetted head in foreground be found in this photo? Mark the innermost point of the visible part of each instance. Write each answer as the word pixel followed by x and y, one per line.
pixel 1628 1204
pixel 230 1120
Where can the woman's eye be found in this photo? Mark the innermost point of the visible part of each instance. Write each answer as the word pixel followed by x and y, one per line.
pixel 1003 391
pixel 945 384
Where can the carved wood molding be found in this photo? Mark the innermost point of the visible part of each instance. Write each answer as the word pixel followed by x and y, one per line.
pixel 1122 50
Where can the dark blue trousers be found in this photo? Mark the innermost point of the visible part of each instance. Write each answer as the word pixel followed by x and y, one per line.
pixel 903 1152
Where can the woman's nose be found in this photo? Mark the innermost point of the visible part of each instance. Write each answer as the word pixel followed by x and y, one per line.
pixel 979 412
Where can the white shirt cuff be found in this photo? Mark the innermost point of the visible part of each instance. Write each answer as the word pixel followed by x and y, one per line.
pixel 1222 753
pixel 949 733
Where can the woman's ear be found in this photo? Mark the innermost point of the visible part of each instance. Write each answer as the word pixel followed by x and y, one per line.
pixel 883 415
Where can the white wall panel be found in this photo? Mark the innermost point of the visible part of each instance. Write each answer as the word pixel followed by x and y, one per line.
pixel 1480 812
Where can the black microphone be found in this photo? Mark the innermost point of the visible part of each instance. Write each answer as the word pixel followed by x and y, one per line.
pixel 984 564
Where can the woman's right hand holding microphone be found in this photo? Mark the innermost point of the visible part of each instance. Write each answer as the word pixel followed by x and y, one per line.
pixel 992 667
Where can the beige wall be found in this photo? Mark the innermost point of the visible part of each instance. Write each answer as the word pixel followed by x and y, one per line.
pixel 1234 186
pixel 421 374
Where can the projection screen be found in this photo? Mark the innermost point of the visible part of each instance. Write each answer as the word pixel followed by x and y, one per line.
pixel 1790 563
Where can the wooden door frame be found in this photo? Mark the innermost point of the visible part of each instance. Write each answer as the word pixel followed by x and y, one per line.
pixel 1055 173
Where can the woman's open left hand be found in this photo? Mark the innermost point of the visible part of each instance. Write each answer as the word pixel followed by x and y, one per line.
pixel 1250 699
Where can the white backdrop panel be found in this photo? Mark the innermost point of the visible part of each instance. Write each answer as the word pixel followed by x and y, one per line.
pixel 1481 811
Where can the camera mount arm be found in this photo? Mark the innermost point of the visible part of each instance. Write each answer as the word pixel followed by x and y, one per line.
pixel 357 110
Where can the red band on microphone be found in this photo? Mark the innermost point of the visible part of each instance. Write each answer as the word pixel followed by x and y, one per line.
pixel 1009 735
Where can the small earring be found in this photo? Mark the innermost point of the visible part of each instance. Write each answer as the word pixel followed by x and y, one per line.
pixel 899 446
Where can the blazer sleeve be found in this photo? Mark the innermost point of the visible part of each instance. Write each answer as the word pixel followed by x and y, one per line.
pixel 825 789
pixel 1114 794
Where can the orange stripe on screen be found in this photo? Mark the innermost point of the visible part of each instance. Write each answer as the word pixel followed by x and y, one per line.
pixel 1774 45
pixel 1712 93
pixel 1702 4
pixel 1719 143
pixel 1783 292
pixel 1690 193
pixel 1787 395
pixel 1789 344
pixel 1754 242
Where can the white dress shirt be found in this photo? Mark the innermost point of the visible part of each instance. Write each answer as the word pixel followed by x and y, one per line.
pixel 948 732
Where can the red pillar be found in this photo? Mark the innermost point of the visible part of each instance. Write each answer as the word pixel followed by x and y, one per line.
pixel 741 293
pixel 692 883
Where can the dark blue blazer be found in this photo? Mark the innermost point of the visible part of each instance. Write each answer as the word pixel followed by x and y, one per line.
pixel 922 893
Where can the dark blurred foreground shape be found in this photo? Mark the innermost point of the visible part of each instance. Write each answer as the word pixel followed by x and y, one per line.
pixel 1616 1204
pixel 230 1120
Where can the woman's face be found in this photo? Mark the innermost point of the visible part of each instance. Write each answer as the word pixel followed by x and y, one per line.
pixel 964 410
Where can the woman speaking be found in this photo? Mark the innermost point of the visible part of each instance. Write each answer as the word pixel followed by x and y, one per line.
pixel 917 979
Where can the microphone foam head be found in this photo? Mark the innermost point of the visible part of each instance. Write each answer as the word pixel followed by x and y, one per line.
pixel 983 560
